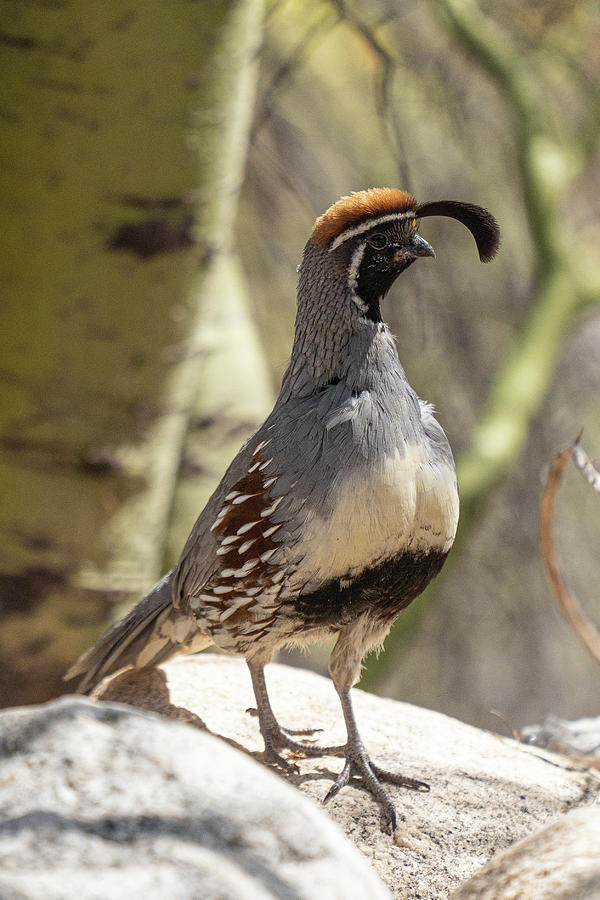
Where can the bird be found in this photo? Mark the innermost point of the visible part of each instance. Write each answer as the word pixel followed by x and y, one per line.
pixel 340 509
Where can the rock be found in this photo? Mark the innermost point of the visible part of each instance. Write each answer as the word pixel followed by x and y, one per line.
pixel 487 792
pixel 102 801
pixel 559 862
pixel 580 737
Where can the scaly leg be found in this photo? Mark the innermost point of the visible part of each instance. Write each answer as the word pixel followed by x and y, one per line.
pixel 359 766
pixel 278 738
pixel 344 665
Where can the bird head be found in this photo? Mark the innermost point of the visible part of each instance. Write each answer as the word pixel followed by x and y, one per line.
pixel 373 236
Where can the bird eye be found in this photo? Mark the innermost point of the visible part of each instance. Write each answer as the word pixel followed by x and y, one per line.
pixel 378 241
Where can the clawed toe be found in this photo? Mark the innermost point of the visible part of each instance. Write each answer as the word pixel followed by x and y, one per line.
pixel 340 782
pixel 271 758
pixel 252 711
pixel 283 738
pixel 395 778
pixel 301 731
pixel 358 767
pixel 280 738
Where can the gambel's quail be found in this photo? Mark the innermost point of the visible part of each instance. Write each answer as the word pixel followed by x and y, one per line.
pixel 341 508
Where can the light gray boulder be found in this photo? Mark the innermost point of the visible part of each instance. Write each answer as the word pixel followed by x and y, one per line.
pixel 579 737
pixel 98 800
pixel 487 791
pixel 102 802
pixel 558 862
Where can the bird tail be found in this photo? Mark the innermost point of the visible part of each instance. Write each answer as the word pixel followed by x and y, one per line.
pixel 144 637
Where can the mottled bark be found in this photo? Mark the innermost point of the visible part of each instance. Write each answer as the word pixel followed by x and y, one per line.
pixel 124 127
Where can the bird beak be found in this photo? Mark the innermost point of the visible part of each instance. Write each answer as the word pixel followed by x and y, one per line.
pixel 413 249
pixel 418 246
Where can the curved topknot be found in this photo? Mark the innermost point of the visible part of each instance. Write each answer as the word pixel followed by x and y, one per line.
pixel 357 208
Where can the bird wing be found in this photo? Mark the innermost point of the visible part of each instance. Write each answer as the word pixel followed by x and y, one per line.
pixel 200 561
pixel 232 572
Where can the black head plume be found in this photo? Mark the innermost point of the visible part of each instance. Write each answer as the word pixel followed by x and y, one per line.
pixel 479 221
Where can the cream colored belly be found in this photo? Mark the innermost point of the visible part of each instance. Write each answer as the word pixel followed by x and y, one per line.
pixel 405 504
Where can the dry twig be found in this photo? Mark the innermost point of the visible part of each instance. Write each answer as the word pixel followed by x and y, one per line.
pixel 585 630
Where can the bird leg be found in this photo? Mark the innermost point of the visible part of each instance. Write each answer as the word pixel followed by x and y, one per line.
pixel 359 766
pixel 274 735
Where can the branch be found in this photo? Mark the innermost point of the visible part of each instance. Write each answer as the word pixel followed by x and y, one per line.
pixel 492 49
pixel 388 66
pixel 286 69
pixel 520 387
pixel 585 630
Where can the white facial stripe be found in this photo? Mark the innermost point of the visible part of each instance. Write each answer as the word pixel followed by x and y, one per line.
pixel 353 275
pixel 370 223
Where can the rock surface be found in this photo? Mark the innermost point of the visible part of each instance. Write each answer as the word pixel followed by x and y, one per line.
pixel 559 862
pixel 487 792
pixel 580 737
pixel 101 802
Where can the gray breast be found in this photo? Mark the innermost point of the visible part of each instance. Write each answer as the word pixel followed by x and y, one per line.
pixel 364 478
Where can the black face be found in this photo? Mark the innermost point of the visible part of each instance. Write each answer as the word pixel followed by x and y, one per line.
pixel 389 250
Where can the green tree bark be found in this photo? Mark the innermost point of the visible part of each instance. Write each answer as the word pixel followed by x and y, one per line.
pixel 124 131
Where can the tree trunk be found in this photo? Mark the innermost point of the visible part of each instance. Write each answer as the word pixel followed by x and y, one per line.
pixel 125 134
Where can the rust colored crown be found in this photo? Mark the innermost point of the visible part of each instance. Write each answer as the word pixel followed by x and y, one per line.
pixel 356 208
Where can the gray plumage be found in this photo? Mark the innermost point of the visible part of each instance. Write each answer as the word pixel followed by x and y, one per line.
pixel 336 513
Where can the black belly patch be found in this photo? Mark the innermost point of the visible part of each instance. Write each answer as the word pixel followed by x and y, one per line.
pixel 384 590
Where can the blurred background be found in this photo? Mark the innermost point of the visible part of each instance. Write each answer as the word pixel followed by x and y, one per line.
pixel 161 169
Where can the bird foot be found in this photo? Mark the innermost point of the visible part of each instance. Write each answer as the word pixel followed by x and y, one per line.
pixel 271 757
pixel 276 727
pixel 278 738
pixel 359 768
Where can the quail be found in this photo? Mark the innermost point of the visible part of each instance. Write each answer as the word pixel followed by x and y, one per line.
pixel 339 510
